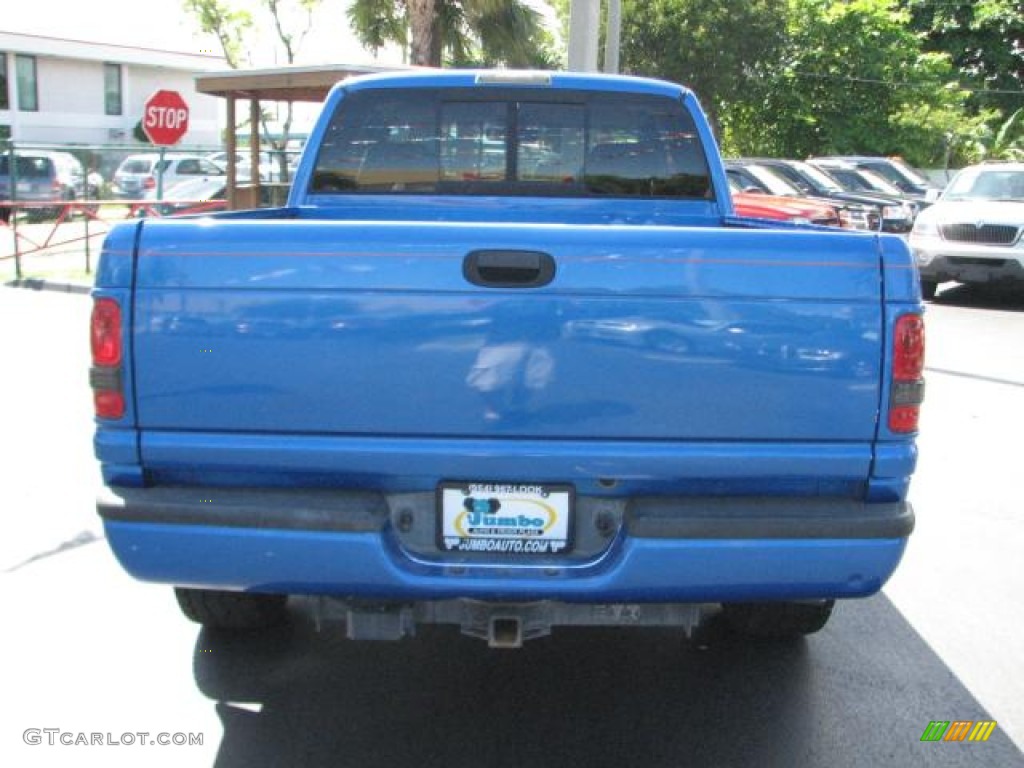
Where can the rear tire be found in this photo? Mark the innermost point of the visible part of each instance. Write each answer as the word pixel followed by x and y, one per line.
pixel 778 620
pixel 929 288
pixel 231 610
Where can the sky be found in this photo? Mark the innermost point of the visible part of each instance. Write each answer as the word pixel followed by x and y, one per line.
pixel 164 25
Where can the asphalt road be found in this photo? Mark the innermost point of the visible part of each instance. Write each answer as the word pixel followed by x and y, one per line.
pixel 89 651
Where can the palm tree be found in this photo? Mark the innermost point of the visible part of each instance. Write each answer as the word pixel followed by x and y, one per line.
pixel 486 32
pixel 1004 143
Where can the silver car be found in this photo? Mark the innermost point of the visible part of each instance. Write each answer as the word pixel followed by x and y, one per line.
pixel 138 174
pixel 972 234
pixel 269 165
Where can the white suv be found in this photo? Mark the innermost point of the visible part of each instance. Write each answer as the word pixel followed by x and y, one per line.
pixel 137 174
pixel 972 234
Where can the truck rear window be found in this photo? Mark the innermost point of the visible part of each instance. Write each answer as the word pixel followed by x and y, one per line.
pixel 421 141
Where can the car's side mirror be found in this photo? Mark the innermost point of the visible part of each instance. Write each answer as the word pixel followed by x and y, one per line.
pixel 932 195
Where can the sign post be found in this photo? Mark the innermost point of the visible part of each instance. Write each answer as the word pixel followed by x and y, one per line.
pixel 164 121
pixel 584 26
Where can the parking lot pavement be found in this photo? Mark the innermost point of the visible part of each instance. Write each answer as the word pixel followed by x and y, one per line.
pixel 96 652
pixel 960 584
pixel 64 266
pixel 90 651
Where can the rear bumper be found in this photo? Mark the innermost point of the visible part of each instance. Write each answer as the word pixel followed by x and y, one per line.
pixel 366 545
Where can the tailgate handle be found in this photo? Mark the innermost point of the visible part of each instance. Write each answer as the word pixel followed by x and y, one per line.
pixel 509 269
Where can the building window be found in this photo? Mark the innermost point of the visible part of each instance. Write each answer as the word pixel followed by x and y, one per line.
pixel 112 88
pixel 28 92
pixel 5 101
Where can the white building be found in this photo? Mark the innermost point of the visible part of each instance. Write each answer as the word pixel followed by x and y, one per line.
pixel 62 91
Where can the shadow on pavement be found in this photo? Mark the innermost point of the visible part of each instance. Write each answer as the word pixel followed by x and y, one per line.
pixel 859 693
pixel 1007 298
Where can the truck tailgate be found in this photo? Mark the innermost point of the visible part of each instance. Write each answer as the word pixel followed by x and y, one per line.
pixel 372 328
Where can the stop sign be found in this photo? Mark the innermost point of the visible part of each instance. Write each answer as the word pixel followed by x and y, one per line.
pixel 165 118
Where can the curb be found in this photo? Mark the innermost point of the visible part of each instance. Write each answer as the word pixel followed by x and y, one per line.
pixel 41 284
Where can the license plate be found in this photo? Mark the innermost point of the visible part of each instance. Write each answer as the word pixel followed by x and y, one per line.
pixel 505 518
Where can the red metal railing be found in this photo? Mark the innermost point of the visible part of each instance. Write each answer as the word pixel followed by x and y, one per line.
pixel 77 224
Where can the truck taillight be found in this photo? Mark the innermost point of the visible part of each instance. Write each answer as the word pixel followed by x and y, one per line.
pixel 907 374
pixel 109 404
pixel 149 183
pixel 105 331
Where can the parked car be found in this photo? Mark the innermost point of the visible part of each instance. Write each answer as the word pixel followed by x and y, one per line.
pixel 200 195
pixel 855 179
pixel 44 176
pixel 912 183
pixel 193 196
pixel 865 181
pixel 751 177
pixel 269 165
pixel 138 174
pixel 796 210
pixel 972 233
pixel 897 217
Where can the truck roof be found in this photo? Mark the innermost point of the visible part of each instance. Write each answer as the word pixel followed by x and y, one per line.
pixel 466 78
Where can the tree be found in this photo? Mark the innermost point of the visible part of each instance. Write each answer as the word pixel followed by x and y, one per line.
pixel 1006 142
pixel 227 24
pixel 852 78
pixel 140 135
pixel 463 32
pixel 231 26
pixel 984 39
pixel 715 48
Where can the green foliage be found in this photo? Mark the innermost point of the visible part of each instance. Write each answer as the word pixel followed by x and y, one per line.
pixel 506 33
pixel 379 22
pixel 228 25
pixel 985 40
pixel 801 77
pixel 140 135
pixel 291 38
pixel 852 79
pixel 466 32
pixel 715 48
pixel 232 26
pixel 1005 142
pixel 561 8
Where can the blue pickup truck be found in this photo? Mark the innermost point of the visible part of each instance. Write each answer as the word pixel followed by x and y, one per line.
pixel 507 360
